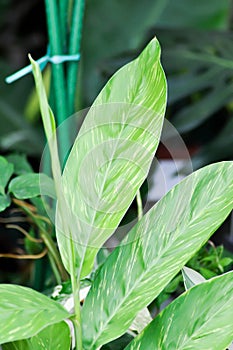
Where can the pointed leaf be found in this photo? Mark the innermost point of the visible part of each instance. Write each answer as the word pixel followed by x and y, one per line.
pixel 32 185
pixel 24 312
pixel 191 277
pixel 56 336
pixel 155 251
pixel 6 170
pixel 113 151
pixel 208 313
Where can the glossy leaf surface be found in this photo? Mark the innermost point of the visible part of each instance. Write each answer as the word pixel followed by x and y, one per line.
pixel 56 336
pixel 113 151
pixel 158 247
pixel 208 313
pixel 24 312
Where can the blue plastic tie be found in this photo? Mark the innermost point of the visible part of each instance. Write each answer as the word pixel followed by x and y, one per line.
pixel 56 59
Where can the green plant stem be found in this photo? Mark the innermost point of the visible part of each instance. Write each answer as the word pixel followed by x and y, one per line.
pixel 139 205
pixel 74 48
pixel 55 269
pixel 77 317
pixel 58 76
pixel 63 13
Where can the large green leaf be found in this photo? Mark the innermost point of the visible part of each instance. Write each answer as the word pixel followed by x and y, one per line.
pixel 32 185
pixel 208 313
pixel 155 250
pixel 24 312
pixel 112 154
pixel 56 336
pixel 6 170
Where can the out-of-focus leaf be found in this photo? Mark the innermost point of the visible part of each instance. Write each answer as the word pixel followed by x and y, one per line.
pixel 32 185
pixel 119 136
pixel 191 277
pixel 208 313
pixel 56 336
pixel 177 14
pixel 5 202
pixel 120 33
pixel 24 312
pixel 155 250
pixel 192 116
pixel 216 149
pixel 6 170
pixel 21 165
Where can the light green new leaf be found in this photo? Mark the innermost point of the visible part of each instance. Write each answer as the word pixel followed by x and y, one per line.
pixel 6 170
pixel 112 154
pixel 56 336
pixel 47 116
pixel 32 185
pixel 155 250
pixel 24 312
pixel 207 310
pixel 191 277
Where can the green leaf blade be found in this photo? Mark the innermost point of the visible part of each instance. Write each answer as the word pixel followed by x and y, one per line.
pixel 175 228
pixel 207 309
pixel 31 185
pixel 56 336
pixel 25 312
pixel 6 170
pixel 120 135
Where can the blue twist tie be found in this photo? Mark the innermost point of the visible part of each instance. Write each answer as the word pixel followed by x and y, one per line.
pixel 56 59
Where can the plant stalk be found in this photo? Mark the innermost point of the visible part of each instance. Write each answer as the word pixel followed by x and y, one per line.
pixel 58 75
pixel 74 48
pixel 77 317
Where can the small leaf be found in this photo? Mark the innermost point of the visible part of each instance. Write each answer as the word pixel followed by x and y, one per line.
pixel 21 165
pixel 56 336
pixel 32 185
pixel 201 318
pixel 191 277
pixel 225 261
pixel 6 170
pixel 24 312
pixel 5 202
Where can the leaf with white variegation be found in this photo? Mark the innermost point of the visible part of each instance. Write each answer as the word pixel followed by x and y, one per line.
pixel 155 250
pixel 208 313
pixel 56 336
pixel 112 153
pixel 24 312
pixel 191 277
